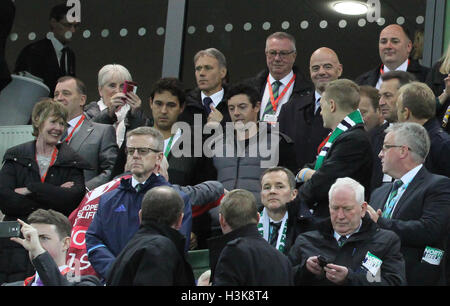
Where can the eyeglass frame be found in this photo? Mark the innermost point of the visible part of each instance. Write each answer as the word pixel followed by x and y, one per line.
pixel 386 147
pixel 282 54
pixel 145 149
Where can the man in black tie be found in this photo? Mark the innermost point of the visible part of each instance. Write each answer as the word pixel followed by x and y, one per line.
pixel 208 98
pixel 417 209
pixel 348 248
pixel 50 58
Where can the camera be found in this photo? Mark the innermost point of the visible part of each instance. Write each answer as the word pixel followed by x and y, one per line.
pixel 9 229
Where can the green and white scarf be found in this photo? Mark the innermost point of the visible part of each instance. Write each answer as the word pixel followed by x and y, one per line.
pixel 263 229
pixel 349 121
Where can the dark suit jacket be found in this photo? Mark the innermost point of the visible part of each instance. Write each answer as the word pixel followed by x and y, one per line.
pixel 7 13
pixel 420 219
pixel 349 156
pixel 438 159
pixel 194 105
pixel 39 59
pixel 376 137
pixel 298 121
pixel 301 85
pixel 96 143
pixel 371 77
pixel 435 80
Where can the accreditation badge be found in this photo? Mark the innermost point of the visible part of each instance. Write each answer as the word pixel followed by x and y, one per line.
pixel 372 263
pixel 432 256
pixel 270 118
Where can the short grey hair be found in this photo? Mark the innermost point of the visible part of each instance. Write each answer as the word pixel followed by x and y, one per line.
pixel 282 35
pixel 414 136
pixel 357 188
pixel 149 131
pixel 212 52
pixel 107 72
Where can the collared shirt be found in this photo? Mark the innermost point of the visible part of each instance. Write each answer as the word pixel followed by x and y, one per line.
pixel 135 182
pixel 36 279
pixel 338 236
pixel 216 98
pixel 72 124
pixel 317 97
pixel 406 179
pixel 402 67
pixel 57 45
pixel 266 97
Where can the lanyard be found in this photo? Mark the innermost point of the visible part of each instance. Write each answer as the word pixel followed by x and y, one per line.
pixel 169 146
pixel 52 161
pixel 272 100
pixel 382 68
pixel 76 126
pixel 28 280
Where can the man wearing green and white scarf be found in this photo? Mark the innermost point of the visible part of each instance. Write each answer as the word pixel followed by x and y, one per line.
pixel 346 152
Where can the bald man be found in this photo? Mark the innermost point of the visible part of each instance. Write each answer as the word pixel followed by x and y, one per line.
pixel 394 47
pixel 301 119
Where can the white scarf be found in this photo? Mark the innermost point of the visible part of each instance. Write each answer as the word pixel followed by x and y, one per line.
pixel 263 229
pixel 119 125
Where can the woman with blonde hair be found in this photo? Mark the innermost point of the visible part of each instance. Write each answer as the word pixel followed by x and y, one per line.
pixel 439 81
pixel 43 173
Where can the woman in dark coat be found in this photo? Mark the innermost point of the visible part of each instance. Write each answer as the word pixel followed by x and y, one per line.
pixel 38 174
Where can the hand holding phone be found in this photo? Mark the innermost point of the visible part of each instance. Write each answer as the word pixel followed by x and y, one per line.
pixel 322 261
pixel 9 229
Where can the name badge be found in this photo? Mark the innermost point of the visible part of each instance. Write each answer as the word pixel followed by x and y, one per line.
pixel 432 256
pixel 270 118
pixel 372 263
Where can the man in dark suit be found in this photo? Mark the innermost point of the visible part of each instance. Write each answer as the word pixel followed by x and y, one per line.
pixel 50 58
pixel 394 47
pixel 7 13
pixel 300 118
pixel 416 206
pixel 392 81
pixel 416 103
pixel 280 82
pixel 345 153
pixel 95 142
pixel 241 257
pixel 208 98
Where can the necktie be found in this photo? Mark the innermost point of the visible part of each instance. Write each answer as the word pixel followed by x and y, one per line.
pixel 342 240
pixel 275 88
pixel 388 208
pixel 206 103
pixel 273 233
pixel 139 187
pixel 64 62
pixel 317 107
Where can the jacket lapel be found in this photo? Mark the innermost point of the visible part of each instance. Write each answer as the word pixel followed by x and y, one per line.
pixel 418 179
pixel 80 136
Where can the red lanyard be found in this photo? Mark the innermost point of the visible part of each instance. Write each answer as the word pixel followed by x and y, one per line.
pixel 52 161
pixel 272 100
pixel 76 126
pixel 28 280
pixel 323 143
pixel 382 68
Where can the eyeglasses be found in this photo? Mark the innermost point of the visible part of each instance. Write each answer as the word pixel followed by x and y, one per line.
pixel 388 146
pixel 141 151
pixel 283 54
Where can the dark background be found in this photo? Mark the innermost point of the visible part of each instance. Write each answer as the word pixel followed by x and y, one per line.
pixel 357 47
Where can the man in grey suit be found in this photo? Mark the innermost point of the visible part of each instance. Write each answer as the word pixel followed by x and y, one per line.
pixel 95 142
pixel 415 206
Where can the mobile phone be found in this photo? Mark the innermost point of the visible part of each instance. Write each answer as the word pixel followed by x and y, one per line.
pixel 129 86
pixel 322 261
pixel 9 229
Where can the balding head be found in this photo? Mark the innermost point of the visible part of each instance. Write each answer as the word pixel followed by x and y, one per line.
pixel 324 67
pixel 394 46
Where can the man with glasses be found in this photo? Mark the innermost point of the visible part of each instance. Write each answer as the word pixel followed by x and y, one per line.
pixel 50 58
pixel 281 81
pixel 116 219
pixel 416 206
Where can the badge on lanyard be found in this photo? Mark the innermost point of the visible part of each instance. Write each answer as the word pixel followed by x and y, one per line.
pixel 432 256
pixel 272 119
pixel 372 263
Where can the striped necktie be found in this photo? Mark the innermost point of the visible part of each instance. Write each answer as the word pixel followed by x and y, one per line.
pixel 342 240
pixel 275 89
pixel 389 206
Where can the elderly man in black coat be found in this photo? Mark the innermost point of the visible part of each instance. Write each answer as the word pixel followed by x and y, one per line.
pixel 241 257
